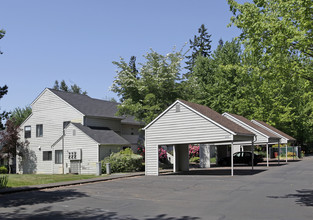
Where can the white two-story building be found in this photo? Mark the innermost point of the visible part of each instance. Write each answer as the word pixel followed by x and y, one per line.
pixel 71 133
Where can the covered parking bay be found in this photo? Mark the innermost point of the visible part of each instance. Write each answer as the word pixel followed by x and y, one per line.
pixel 263 136
pixel 284 138
pixel 185 123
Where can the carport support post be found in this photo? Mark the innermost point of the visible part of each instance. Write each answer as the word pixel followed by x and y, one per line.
pixel 278 156
pixel 175 159
pixel 286 153
pixel 252 154
pixel 232 158
pixel 267 154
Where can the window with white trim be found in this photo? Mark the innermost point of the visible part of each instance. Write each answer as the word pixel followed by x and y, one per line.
pixel 27 131
pixel 46 155
pixel 39 130
pixel 58 156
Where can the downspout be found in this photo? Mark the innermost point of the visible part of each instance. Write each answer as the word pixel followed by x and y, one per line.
pixel 63 165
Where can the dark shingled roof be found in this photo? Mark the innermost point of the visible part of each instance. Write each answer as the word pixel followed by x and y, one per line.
pixel 255 126
pixel 102 136
pixel 213 115
pixel 276 130
pixel 93 107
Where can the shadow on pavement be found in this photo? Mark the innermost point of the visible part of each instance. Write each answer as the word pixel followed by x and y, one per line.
pixel 272 164
pixel 218 172
pixel 303 197
pixel 47 213
pixel 38 197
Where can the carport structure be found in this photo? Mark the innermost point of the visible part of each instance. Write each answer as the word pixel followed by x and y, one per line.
pixel 263 136
pixel 284 138
pixel 185 123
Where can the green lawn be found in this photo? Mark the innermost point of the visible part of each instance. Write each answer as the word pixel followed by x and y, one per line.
pixel 16 180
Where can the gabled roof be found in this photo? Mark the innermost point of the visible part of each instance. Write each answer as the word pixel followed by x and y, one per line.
pixel 275 130
pixel 253 125
pixel 89 106
pixel 104 137
pixel 93 107
pixel 210 115
pixel 215 116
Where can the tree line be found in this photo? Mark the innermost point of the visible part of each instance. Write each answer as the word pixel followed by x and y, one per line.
pixel 265 73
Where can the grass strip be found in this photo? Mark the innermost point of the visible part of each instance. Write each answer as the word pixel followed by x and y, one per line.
pixel 17 180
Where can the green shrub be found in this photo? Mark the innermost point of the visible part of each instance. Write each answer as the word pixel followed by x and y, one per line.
pixel 194 160
pixel 4 181
pixel 213 160
pixel 123 161
pixel 3 170
pixel 127 151
pixel 261 153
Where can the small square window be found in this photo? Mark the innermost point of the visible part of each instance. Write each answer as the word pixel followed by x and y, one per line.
pixel 39 130
pixel 47 155
pixel 27 131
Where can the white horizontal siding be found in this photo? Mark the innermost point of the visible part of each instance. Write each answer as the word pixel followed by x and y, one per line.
pixel 50 111
pixel 184 127
pixel 90 150
pixel 151 160
pixel 127 129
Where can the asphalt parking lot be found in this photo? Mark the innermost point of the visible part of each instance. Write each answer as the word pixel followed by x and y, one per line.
pixel 280 192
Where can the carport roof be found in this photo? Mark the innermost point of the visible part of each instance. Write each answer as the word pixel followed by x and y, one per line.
pixel 254 126
pixel 275 130
pixel 218 118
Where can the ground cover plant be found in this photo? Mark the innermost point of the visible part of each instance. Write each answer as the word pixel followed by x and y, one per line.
pixel 17 180
pixel 3 181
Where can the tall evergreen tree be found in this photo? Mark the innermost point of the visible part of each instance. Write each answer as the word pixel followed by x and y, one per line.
pixel 56 85
pixel 132 65
pixel 63 86
pixel 200 46
pixel 2 33
pixel 73 88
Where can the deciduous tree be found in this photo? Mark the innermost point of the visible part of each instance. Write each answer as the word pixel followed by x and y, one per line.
pixel 19 115
pixel 277 36
pixel 10 142
pixel 150 91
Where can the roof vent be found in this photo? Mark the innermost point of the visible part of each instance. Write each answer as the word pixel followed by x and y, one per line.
pixel 177 107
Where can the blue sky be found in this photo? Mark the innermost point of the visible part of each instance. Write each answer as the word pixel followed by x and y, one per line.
pixel 77 40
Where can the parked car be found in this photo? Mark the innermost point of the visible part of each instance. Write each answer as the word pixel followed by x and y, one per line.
pixel 241 157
